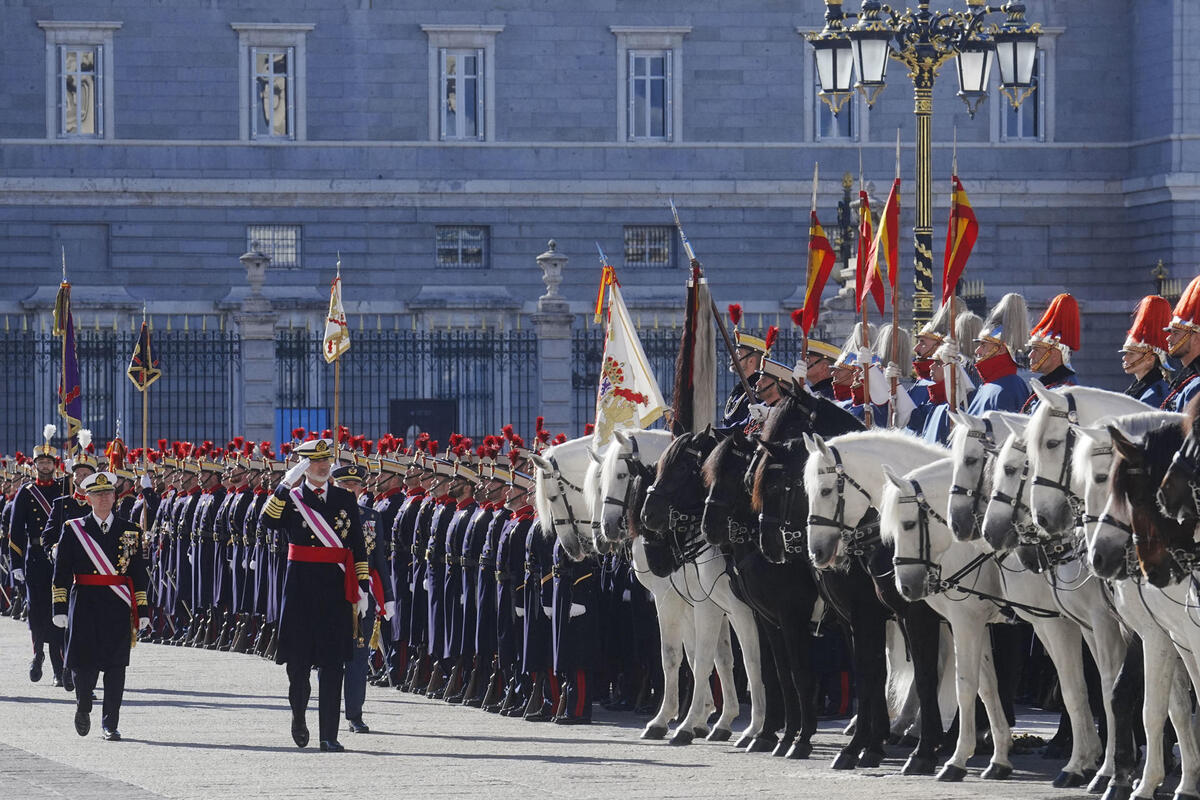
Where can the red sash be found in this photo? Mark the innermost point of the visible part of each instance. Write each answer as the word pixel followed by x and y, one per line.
pixel 328 555
pixel 112 580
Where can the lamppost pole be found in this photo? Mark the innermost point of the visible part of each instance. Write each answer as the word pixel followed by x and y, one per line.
pixel 923 41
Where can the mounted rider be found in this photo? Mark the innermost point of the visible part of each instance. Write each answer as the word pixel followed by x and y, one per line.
pixel 1145 351
pixel 996 347
pixel 1050 345
pixel 1183 343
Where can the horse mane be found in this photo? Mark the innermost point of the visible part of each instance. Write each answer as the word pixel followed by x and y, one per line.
pixel 898 436
pixel 1139 426
pixel 1191 415
pixel 711 467
pixel 814 413
pixel 671 454
pixel 782 414
pixel 1158 447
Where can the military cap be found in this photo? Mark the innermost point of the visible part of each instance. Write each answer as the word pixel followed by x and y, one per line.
pixel 314 450
pixel 98 482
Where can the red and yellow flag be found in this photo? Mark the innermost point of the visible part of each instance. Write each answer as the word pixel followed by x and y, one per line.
pixel 885 249
pixel 866 237
pixel 820 263
pixel 960 238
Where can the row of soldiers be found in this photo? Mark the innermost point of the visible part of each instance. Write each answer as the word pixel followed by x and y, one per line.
pixel 463 597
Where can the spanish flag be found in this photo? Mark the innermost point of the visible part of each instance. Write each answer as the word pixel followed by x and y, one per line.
pixel 960 238
pixel 820 263
pixel 886 245
pixel 865 240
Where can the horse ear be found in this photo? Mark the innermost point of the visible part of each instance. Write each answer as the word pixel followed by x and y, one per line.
pixel 893 477
pixel 809 444
pixel 1046 396
pixel 822 448
pixel 593 455
pixel 620 437
pixel 541 463
pixel 1129 450
pixel 960 417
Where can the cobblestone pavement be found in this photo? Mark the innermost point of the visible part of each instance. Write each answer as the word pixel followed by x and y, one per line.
pixel 201 724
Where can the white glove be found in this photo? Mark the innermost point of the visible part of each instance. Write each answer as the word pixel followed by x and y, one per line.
pixel 18 575
pixel 893 371
pixel 948 353
pixel 548 611
pixel 626 597
pixel 965 385
pixel 145 481
pixel 293 475
pixel 865 356
pixel 361 605
pixel 143 623
pixel 577 610
pixel 389 609
pixel 59 620
pixel 881 388
pixel 253 565
pixel 904 406
pixel 759 412
pixel 800 373
pixel 520 611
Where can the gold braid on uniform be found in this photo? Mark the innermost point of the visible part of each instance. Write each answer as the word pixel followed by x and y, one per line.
pixel 362 570
pixel 59 595
pixel 274 507
pixel 581 580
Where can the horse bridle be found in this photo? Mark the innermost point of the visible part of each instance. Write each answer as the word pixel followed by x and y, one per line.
pixel 738 533
pixel 857 539
pixel 1063 484
pixel 933 571
pixel 1187 458
pixel 676 519
pixel 1027 532
pixel 563 484
pixel 634 468
pixel 795 539
pixel 988 441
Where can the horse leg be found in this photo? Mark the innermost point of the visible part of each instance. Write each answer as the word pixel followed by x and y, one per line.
pixel 742 619
pixel 970 638
pixel 867 629
pixel 1063 642
pixel 1108 648
pixel 765 739
pixel 708 619
pixel 674 617
pixel 1165 687
pixel 1180 707
pixel 722 729
pixel 797 675
pixel 999 767
pixel 1127 695
pixel 923 628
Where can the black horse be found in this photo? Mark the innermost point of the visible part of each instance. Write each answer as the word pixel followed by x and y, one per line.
pixel 863 596
pixel 1179 491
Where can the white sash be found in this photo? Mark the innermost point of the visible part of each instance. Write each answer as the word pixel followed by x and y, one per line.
pixel 99 559
pixel 316 523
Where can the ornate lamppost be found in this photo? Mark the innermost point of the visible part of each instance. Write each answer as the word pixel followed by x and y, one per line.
pixel 923 40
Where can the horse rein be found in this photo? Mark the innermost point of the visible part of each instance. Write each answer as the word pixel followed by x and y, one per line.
pixel 988 441
pixel 859 539
pixel 1063 484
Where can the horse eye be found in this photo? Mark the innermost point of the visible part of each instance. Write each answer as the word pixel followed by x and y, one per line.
pixel 1053 443
pixel 1101 478
pixel 1010 471
pixel 909 524
pixel 826 492
pixel 971 461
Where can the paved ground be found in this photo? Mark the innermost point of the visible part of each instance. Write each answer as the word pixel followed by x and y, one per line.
pixel 200 724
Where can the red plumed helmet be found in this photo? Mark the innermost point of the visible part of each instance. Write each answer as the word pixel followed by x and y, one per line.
pixel 298 434
pixel 264 447
pixel 562 437
pixel 589 429
pixel 455 438
pixel 507 430
pixel 517 441
pixel 397 442
pixel 735 314
pixel 772 335
pixel 286 448
pixel 343 434
pixel 538 423
pixel 1187 310
pixel 1148 333
pixel 1059 325
pixel 162 444
pixel 797 315
pixel 327 434
pixel 367 446
pixel 238 441
pixel 431 447
pixel 312 436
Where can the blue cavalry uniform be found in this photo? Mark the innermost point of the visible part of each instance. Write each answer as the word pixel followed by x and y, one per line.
pixel 486 647
pixel 1185 326
pixel 404 558
pixel 1145 350
pixel 327 572
pixel 100 595
pixel 537 657
pixel 1058 330
pixel 510 605
pixel 1000 338
pixel 575 597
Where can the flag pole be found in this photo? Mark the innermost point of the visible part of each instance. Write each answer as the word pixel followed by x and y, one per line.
pixel 62 382
pixel 145 392
pixel 892 411
pixel 869 412
pixel 337 369
pixel 808 266
pixel 953 290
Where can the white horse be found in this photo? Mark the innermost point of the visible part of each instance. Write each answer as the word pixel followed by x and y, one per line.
pixel 1068 588
pixel 692 619
pixel 1110 552
pixel 1052 439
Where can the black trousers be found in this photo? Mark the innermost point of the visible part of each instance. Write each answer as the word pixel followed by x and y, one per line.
pixel 114 690
pixel 329 696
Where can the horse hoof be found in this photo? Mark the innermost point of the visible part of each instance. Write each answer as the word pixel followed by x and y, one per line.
pixel 1099 784
pixel 1000 772
pixel 800 750
pixel 744 741
pixel 720 735
pixel 851 726
pixel 918 765
pixel 781 749
pixel 870 759
pixel 845 760
pixel 908 741
pixel 1118 791
pixel 683 736
pixel 952 774
pixel 761 745
pixel 1068 780
pixel 654 732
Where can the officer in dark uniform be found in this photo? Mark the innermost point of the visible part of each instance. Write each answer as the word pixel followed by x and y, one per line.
pixel 576 634
pixel 183 546
pixel 403 560
pixel 487 680
pixel 448 492
pixel 389 497
pixel 31 508
pixel 1145 351
pixel 418 630
pixel 817 369
pixel 352 477
pixel 327 579
pixel 465 481
pixel 510 593
pixel 1183 343
pixel 749 351
pixel 537 659
pixel 206 536
pixel 100 599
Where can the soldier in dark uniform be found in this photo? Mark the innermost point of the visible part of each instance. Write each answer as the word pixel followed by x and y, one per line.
pixel 403 560
pixel 466 480
pixel 487 680
pixel 31 508
pixel 576 634
pixel 448 492
pixel 352 478
pixel 100 599
pixel 389 496
pixel 1145 351
pixel 749 352
pixel 537 658
pixel 1183 343
pixel 817 369
pixel 510 594
pixel 237 610
pixel 327 579
pixel 263 565
pixel 183 547
pixel 418 628
pixel 206 536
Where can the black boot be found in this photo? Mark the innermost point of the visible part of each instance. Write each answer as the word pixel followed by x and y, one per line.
pixel 454 686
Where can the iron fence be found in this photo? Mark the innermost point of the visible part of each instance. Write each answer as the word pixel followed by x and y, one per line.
pixel 661 345
pixel 197 397
pixel 468 381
